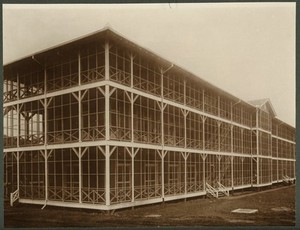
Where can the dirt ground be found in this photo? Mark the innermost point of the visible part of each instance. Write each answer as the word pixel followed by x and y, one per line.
pixel 276 207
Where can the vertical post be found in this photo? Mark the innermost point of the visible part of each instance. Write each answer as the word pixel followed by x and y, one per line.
pixel 132 154
pixel 184 92
pixel 162 137
pixel 203 100
pixel 18 125
pixel 107 121
pixel 107 152
pixel 45 122
pixel 18 171
pixel 185 171
pixel 231 112
pixel 132 128
pixel 162 109
pixel 231 138
pixel 242 139
pixel 27 131
pixel 185 113
pixel 243 170
pixel 18 113
pixel 131 71
pixel 185 154
pixel 277 174
pixel 219 136
pixel 80 174
pixel 45 82
pixel 18 86
pixel 79 100
pixel 79 116
pixel 203 176
pixel 45 109
pixel 203 132
pixel 257 148
pixel 257 170
pixel 231 161
pixel 46 174
pixel 219 112
pixel 294 173
pixel 271 173
pixel 219 169
pixel 185 135
pixel 132 118
pixel 251 152
pixel 79 68
pixel 163 175
pixel 106 51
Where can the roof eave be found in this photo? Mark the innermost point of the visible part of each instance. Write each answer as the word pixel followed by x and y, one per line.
pixel 108 32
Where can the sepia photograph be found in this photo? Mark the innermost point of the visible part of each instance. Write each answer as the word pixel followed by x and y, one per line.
pixel 149 115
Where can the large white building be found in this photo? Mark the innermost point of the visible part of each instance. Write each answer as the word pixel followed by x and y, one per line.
pixel 103 123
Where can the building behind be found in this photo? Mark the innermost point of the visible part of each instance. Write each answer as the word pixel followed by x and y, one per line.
pixel 103 123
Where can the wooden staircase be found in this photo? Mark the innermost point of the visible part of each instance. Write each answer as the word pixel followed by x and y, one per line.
pixel 14 196
pixel 287 179
pixel 220 191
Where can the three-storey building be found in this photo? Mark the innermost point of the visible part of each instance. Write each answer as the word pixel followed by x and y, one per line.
pixel 102 123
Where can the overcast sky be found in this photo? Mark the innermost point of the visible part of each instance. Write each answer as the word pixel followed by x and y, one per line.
pixel 246 49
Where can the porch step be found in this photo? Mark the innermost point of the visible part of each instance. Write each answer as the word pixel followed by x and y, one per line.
pixel 287 179
pixel 220 191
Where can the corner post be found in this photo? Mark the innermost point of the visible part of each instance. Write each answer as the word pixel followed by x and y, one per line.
pixel 257 149
pixel 107 122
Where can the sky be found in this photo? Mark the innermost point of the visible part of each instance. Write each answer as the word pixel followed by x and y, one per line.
pixel 246 49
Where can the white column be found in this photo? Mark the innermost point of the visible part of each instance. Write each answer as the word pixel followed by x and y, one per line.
pixel 231 162
pixel 79 116
pixel 257 148
pixel 80 174
pixel 107 133
pixel 79 100
pixel 18 86
pixel 204 184
pixel 219 112
pixel 203 132
pixel 18 171
pixel 132 118
pixel 132 154
pixel 219 136
pixel 106 50
pixel 46 174
pixel 162 138
pixel 277 174
pixel 79 69
pixel 219 159
pixel 185 171
pixel 18 125
pixel 131 71
pixel 45 109
pixel 18 113
pixel 162 174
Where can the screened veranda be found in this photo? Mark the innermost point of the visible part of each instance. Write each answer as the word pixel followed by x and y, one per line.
pixel 103 123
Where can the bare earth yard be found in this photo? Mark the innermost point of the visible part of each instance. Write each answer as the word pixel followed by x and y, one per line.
pixel 275 207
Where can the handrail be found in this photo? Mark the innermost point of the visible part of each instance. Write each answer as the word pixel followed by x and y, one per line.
pixel 211 190
pixel 287 178
pixel 14 196
pixel 223 189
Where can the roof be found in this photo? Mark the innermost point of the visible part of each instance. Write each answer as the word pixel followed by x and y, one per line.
pixel 264 104
pixel 109 33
